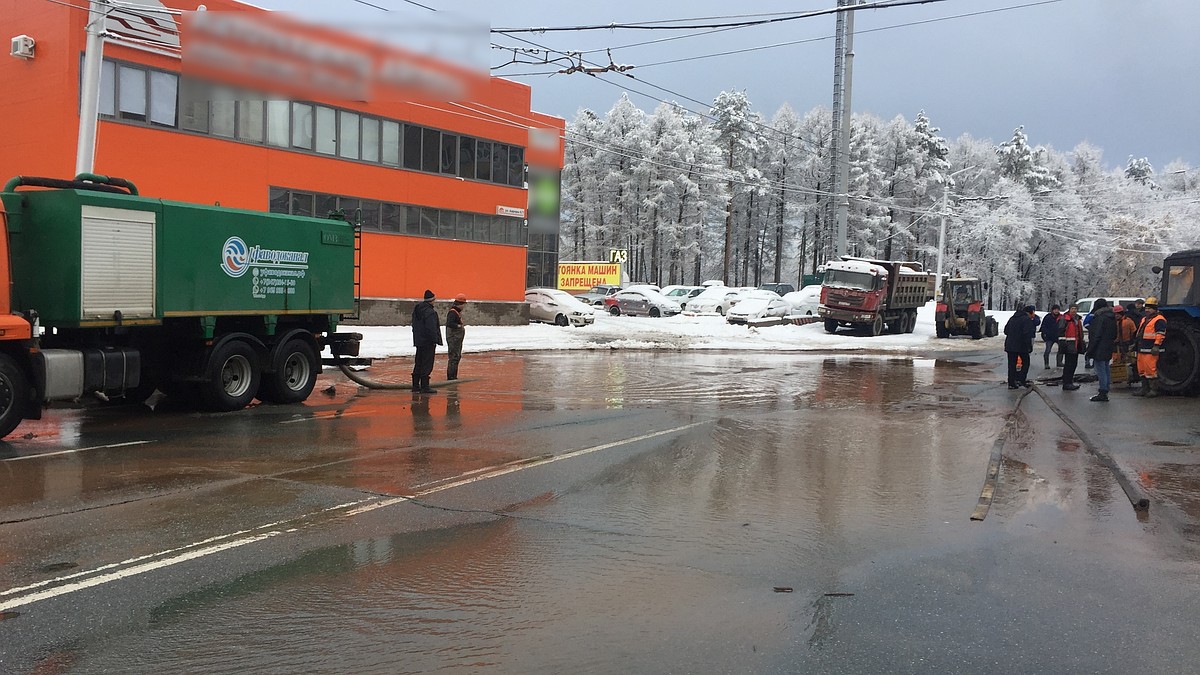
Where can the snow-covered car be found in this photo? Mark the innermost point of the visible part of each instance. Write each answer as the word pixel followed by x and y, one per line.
pixel 781 288
pixel 558 307
pixel 758 304
pixel 715 300
pixel 805 301
pixel 682 294
pixel 597 294
pixel 643 287
pixel 642 302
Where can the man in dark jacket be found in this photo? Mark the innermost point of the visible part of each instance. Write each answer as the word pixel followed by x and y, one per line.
pixel 1102 337
pixel 427 335
pixel 1019 333
pixel 1049 333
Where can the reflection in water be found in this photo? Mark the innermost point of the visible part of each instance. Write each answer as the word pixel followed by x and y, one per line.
pixel 809 467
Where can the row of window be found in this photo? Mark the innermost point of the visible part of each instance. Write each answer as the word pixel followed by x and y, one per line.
pixel 160 98
pixel 424 221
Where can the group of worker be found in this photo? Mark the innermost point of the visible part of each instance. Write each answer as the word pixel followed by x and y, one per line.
pixel 1130 336
pixel 427 336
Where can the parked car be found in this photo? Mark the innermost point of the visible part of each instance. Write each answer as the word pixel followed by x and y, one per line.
pixel 643 287
pixel 641 302
pixel 558 307
pixel 715 300
pixel 805 301
pixel 597 294
pixel 758 304
pixel 779 288
pixel 682 294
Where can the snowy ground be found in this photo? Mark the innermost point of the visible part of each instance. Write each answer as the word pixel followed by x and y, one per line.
pixel 679 332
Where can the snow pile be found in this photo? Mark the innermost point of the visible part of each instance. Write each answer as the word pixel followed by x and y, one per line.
pixel 679 333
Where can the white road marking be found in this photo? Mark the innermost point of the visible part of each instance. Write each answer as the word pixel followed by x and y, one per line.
pixel 162 559
pixel 71 452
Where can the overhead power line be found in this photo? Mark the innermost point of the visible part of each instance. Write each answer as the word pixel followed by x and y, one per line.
pixel 737 24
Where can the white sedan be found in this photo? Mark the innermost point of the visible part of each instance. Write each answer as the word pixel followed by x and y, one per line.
pixel 715 300
pixel 805 301
pixel 758 304
pixel 558 307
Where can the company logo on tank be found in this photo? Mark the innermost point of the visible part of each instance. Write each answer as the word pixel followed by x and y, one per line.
pixel 237 257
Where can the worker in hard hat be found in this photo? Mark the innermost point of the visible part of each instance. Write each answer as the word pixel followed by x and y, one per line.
pixel 455 332
pixel 1151 333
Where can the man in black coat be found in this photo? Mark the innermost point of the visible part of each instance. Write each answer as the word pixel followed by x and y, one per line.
pixel 1019 333
pixel 427 335
pixel 1102 337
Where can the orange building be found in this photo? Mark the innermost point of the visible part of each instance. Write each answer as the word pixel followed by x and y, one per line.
pixel 441 185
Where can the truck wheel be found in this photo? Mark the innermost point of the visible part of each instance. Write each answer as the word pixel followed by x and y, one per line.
pixel 942 331
pixel 14 395
pixel 974 331
pixel 876 326
pixel 295 368
pixel 1179 362
pixel 831 326
pixel 912 322
pixel 231 377
pixel 993 327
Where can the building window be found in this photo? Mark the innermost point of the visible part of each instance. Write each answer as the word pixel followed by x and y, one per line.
pixel 222 114
pixel 391 143
pixel 431 152
pixel 464 226
pixel 483 160
pixel 250 120
pixel 278 118
pixel 466 157
pixel 499 163
pixel 392 218
pixel 325 140
pixel 302 126
pixel 348 135
pixel 131 94
pixel 326 204
pixel 412 147
pixel 516 166
pixel 370 139
pixel 108 89
pixel 164 98
pixel 302 204
pixel 450 154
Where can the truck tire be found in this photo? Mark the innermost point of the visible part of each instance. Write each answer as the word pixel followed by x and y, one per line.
pixel 974 330
pixel 942 331
pixel 831 326
pixel 876 326
pixel 1179 361
pixel 294 371
pixel 912 322
pixel 14 395
pixel 231 377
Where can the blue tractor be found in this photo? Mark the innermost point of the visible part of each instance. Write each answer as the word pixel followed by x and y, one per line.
pixel 1179 360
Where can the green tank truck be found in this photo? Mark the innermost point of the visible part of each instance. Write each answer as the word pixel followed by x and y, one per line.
pixel 114 295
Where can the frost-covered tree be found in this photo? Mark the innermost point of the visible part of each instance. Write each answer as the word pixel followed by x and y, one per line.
pixel 1020 162
pixel 737 132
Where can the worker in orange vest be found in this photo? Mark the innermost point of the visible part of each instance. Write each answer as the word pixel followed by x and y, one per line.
pixel 1150 333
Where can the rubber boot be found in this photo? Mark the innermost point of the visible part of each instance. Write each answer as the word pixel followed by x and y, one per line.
pixel 1046 361
pixel 452 373
pixel 425 388
pixel 1151 388
pixel 1144 390
pixel 416 386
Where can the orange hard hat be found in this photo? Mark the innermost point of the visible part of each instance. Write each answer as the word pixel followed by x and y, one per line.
pixel 461 297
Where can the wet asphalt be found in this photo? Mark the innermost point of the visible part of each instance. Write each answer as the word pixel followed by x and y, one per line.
pixel 613 511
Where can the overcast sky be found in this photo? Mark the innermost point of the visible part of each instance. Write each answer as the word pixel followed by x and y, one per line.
pixel 1120 74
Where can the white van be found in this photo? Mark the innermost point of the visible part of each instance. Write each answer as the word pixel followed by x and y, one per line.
pixel 1085 304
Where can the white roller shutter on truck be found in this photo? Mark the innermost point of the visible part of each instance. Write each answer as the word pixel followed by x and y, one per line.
pixel 117 270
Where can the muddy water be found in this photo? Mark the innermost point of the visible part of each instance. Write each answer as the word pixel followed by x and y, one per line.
pixel 728 547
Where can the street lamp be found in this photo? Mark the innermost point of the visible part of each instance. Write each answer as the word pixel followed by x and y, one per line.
pixel 937 284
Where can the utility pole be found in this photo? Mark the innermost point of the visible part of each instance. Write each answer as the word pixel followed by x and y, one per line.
pixel 89 94
pixel 843 67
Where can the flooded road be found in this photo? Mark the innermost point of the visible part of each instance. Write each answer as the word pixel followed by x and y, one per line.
pixel 591 512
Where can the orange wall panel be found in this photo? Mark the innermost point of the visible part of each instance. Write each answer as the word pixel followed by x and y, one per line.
pixel 400 266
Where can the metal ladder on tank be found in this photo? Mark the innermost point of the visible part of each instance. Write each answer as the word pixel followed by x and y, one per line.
pixel 357 265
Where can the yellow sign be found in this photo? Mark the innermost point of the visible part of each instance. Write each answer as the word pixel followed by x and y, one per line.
pixel 579 277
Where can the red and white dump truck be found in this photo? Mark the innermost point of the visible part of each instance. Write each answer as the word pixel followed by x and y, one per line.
pixel 873 295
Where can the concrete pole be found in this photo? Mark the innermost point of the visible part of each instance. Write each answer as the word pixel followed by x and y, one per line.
pixel 89 95
pixel 937 284
pixel 843 191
